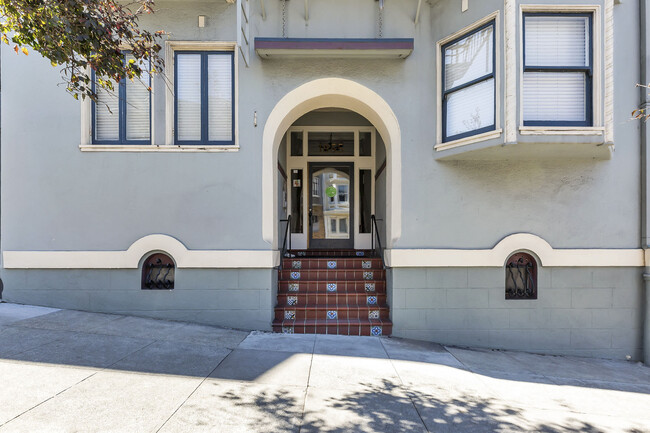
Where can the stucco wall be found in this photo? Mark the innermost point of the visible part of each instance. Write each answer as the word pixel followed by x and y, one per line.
pixel 579 311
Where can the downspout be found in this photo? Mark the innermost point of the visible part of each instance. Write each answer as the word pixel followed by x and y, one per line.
pixel 644 102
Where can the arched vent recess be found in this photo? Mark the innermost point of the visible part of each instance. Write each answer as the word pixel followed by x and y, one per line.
pixel 158 272
pixel 521 277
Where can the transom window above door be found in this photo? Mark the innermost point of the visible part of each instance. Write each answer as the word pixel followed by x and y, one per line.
pixel 331 143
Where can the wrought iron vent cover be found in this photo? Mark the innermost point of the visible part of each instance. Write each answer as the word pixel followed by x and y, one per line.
pixel 521 277
pixel 158 273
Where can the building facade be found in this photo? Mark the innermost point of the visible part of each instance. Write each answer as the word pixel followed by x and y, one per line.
pixel 486 145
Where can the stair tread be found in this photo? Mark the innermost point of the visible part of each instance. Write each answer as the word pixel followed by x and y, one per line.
pixel 331 307
pixel 333 322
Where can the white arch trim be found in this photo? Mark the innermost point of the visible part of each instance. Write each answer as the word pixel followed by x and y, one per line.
pixel 497 256
pixel 130 258
pixel 340 93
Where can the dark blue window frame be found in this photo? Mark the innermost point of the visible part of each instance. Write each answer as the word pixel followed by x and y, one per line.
pixel 204 99
pixel 448 92
pixel 587 70
pixel 122 113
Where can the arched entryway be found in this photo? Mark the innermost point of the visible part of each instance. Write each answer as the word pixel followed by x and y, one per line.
pixel 324 93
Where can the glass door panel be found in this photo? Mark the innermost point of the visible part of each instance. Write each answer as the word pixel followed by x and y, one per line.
pixel 331 205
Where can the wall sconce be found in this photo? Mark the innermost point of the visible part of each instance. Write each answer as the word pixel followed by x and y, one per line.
pixel 201 21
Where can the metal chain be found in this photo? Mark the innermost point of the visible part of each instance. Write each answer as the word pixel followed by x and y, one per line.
pixel 381 21
pixel 284 18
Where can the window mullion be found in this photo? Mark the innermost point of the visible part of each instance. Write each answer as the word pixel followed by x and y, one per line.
pixel 122 110
pixel 204 97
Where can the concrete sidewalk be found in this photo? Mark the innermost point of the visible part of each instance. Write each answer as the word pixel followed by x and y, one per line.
pixel 71 371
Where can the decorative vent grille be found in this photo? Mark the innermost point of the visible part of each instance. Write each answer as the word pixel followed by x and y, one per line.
pixel 521 277
pixel 158 272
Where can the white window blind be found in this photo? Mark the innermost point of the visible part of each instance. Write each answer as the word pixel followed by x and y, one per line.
pixel 137 106
pixel 469 58
pixel 469 84
pixel 554 96
pixel 219 97
pixel 188 97
pixel 107 114
pixel 471 108
pixel 555 42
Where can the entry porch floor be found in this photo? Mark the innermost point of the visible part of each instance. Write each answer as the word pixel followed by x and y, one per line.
pixel 65 371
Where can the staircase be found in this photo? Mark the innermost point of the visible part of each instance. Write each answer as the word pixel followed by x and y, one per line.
pixel 341 292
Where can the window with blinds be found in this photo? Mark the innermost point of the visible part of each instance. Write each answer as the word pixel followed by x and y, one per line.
pixel 557 81
pixel 123 116
pixel 204 94
pixel 469 91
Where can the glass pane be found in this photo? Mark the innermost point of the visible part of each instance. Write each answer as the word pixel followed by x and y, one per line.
pixel 330 205
pixel 296 201
pixel 331 143
pixel 137 105
pixel 365 200
pixel 188 97
pixel 471 108
pixel 296 143
pixel 469 58
pixel 554 96
pixel 107 116
pixel 365 144
pixel 557 40
pixel 219 97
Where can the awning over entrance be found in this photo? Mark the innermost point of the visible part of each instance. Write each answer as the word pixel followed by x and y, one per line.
pixel 334 48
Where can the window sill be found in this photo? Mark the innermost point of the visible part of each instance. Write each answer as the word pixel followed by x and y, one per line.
pixel 153 148
pixel 562 130
pixel 468 140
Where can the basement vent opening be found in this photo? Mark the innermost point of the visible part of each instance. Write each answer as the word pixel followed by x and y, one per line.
pixel 158 272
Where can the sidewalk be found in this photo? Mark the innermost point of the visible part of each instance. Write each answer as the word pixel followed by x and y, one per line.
pixel 69 371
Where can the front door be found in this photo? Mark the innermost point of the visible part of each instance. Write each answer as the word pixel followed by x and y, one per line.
pixel 331 205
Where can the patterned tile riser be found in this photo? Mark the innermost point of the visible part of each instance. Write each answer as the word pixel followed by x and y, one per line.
pixel 364 330
pixel 322 264
pixel 342 286
pixel 342 314
pixel 331 274
pixel 323 299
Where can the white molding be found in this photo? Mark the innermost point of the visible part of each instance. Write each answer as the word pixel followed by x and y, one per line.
pixel 469 140
pixel 510 36
pixel 339 93
pixel 494 16
pixel 561 130
pixel 130 259
pixel 170 47
pixel 609 71
pixel 497 256
pixel 598 99
pixel 153 148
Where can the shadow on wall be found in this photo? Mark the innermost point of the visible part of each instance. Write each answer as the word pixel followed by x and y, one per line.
pixel 387 407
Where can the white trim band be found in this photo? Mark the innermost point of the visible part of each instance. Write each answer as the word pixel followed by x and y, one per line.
pixel 497 256
pixel 130 259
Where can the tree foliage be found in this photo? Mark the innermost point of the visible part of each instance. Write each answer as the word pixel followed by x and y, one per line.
pixel 84 35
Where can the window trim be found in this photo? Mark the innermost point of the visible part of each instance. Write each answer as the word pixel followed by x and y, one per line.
pixel 588 71
pixel 496 132
pixel 204 99
pixel 122 111
pixel 445 93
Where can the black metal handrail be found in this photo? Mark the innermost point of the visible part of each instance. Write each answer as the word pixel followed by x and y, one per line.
pixel 287 235
pixel 376 246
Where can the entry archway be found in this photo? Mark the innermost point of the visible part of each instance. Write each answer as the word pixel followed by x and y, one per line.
pixel 338 93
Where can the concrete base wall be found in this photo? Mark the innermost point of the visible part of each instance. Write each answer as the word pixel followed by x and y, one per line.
pixel 237 298
pixel 579 311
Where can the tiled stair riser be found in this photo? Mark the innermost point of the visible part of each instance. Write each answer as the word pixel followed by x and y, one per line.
pixel 324 264
pixel 331 275
pixel 322 313
pixel 322 286
pixel 324 299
